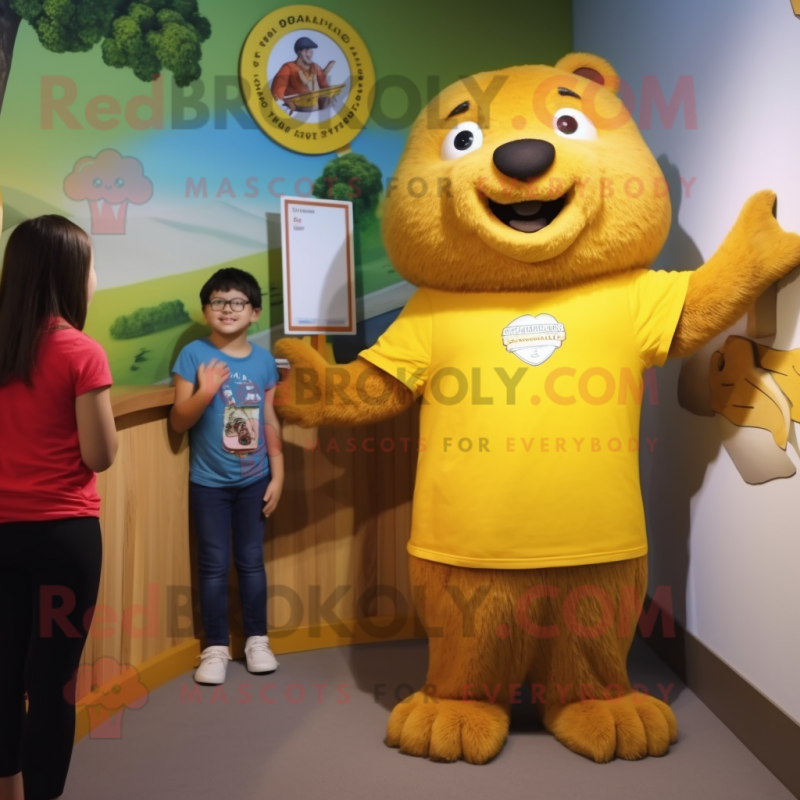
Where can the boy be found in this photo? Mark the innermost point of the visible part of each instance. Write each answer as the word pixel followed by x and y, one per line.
pixel 224 394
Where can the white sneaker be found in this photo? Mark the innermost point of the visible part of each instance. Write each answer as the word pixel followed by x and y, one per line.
pixel 213 665
pixel 259 657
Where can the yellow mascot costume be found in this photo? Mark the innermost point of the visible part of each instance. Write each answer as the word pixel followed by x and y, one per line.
pixel 527 338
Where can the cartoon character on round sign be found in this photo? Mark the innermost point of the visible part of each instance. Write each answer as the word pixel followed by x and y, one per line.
pixel 302 85
pixel 109 182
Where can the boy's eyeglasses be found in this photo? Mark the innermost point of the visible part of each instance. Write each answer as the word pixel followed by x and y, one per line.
pixel 236 304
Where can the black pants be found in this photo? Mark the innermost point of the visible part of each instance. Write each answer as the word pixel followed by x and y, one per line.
pixel 49 579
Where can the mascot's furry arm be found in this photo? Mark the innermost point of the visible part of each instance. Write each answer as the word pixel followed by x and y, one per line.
pixel 319 393
pixel 755 254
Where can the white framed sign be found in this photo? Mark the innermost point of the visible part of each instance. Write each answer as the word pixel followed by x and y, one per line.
pixel 319 294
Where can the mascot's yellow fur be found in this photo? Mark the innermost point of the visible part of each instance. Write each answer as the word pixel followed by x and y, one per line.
pixel 588 203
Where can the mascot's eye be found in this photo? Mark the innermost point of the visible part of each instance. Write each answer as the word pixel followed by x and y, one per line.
pixel 573 124
pixel 97 182
pixel 463 139
pixel 119 183
pixel 567 124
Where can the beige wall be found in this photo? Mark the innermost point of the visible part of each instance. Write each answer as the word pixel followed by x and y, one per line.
pixel 729 551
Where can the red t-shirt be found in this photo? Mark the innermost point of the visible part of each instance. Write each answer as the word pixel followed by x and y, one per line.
pixel 42 475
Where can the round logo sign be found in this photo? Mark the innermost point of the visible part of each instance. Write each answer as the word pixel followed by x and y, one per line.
pixel 307 79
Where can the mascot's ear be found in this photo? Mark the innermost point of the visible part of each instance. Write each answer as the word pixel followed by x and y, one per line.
pixel 592 67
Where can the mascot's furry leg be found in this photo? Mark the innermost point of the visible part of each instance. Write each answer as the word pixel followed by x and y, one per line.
pixel 568 630
pixel 469 657
pixel 590 705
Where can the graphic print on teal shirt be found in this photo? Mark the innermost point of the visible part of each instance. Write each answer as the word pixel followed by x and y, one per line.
pixel 241 417
pixel 235 415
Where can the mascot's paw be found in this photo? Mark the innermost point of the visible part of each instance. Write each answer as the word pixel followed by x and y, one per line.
pixel 299 398
pixel 630 727
pixel 446 730
pixel 775 250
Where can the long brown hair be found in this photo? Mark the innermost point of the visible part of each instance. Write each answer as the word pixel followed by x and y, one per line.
pixel 45 274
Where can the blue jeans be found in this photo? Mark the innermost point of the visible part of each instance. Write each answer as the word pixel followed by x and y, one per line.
pixel 217 512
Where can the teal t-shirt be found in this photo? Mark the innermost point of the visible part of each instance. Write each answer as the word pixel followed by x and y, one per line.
pixel 228 443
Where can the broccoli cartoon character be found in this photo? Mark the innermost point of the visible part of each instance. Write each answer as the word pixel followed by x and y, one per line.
pixel 109 182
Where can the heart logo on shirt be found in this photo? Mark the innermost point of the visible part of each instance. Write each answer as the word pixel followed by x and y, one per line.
pixel 533 339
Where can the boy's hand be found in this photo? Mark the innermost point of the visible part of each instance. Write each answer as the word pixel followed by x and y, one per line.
pixel 272 496
pixel 211 376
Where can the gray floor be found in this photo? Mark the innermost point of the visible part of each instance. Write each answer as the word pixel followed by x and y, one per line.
pixel 334 748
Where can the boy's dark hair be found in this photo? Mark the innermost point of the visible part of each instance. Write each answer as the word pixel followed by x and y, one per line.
pixel 45 274
pixel 223 280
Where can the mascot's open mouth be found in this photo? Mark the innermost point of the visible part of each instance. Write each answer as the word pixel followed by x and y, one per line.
pixel 528 216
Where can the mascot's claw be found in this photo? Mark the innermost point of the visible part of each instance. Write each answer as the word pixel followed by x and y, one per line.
pixel 302 358
pixel 446 730
pixel 629 727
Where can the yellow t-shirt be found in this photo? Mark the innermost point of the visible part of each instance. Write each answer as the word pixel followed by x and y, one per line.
pixel 529 452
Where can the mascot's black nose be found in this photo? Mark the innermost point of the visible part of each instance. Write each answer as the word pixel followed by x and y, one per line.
pixel 524 158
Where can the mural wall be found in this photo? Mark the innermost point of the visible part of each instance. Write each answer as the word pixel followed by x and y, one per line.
pixel 173 177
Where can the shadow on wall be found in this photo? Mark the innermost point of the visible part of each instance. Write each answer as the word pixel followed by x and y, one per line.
pixel 673 474
pixel 192 332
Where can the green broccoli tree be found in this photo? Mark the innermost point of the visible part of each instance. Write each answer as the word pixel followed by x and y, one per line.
pixel 351 177
pixel 146 35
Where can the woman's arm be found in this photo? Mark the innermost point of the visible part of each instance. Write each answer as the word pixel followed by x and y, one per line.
pixel 97 431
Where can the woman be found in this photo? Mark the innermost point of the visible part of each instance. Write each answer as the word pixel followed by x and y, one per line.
pixel 56 431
